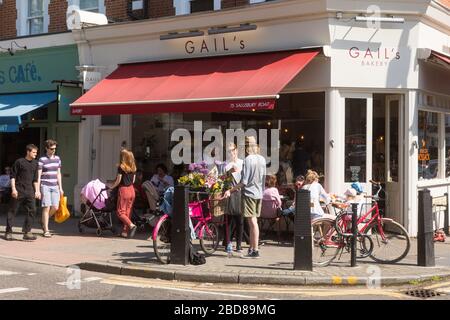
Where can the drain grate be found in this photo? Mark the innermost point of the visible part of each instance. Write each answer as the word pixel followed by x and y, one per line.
pixel 423 293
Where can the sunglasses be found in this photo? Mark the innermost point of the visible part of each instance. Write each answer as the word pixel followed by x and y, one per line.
pixel 53 149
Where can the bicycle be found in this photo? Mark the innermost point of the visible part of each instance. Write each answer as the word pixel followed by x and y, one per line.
pixel 204 229
pixel 386 236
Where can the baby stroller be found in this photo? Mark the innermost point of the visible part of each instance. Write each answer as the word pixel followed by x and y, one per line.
pixel 97 207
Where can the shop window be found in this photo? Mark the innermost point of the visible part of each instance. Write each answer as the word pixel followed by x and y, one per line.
pixel 111 120
pixel 428 145
pixel 40 114
pixel 355 139
pixel 447 145
pixel 298 119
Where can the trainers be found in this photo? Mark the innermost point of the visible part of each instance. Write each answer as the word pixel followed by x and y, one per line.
pixel 132 232
pixel 8 236
pixel 29 236
pixel 252 255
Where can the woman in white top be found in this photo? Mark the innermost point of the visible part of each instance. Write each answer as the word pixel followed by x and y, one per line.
pixel 317 192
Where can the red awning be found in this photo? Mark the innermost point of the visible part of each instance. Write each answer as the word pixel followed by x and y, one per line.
pixel 441 57
pixel 226 83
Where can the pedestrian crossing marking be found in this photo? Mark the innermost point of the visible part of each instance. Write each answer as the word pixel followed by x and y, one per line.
pixel 9 290
pixel 79 281
pixel 7 273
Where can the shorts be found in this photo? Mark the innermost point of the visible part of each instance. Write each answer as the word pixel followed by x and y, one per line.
pixel 50 196
pixel 251 208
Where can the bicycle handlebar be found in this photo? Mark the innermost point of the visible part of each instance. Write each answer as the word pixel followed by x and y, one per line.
pixel 377 183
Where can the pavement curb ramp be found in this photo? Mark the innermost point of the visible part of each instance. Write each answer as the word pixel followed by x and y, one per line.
pixel 245 278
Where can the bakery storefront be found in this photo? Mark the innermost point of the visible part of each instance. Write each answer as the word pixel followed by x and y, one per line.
pixel 348 107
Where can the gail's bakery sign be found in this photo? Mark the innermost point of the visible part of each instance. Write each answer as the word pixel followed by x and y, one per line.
pixel 214 45
pixel 374 57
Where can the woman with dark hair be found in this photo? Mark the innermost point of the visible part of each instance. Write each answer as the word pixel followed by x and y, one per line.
pixel 161 180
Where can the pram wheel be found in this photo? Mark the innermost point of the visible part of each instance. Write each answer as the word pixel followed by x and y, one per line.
pixel 99 232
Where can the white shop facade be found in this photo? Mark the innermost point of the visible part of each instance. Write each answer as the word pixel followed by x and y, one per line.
pixel 362 101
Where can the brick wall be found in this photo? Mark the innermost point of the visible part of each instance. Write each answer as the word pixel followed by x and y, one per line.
pixel 57 11
pixel 8 16
pixel 161 8
pixel 116 10
pixel 234 3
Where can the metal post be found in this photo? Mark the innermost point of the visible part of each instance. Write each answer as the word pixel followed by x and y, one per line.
pixel 354 233
pixel 180 235
pixel 302 231
pixel 425 244
pixel 446 218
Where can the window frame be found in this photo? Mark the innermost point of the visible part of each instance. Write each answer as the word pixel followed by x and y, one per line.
pixel 100 6
pixel 184 6
pixel 23 18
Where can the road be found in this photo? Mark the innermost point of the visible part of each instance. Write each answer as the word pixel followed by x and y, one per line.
pixel 24 280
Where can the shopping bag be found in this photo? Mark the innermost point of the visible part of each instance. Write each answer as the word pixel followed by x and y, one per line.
pixel 62 214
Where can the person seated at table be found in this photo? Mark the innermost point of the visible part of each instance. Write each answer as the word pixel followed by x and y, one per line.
pixel 299 181
pixel 271 192
pixel 317 193
pixel 161 180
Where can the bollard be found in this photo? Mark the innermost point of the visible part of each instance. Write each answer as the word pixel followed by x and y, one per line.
pixel 446 218
pixel 425 233
pixel 302 231
pixel 354 234
pixel 180 235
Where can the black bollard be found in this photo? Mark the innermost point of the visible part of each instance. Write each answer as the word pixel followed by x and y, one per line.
pixel 446 218
pixel 180 235
pixel 302 231
pixel 425 233
pixel 354 234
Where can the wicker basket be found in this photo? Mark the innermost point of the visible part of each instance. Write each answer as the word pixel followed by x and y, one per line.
pixel 218 205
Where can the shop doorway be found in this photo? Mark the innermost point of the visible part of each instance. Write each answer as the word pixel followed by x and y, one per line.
pixel 387 151
pixel 13 144
pixel 108 153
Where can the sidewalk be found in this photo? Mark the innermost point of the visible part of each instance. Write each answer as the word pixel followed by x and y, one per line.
pixel 135 257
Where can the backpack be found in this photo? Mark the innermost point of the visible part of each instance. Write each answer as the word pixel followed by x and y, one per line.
pixel 195 257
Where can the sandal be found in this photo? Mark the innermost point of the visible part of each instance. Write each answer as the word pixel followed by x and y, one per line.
pixel 47 234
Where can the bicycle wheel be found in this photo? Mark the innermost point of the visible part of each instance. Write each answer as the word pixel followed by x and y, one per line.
pixel 326 242
pixel 209 238
pixel 364 246
pixel 161 242
pixel 393 246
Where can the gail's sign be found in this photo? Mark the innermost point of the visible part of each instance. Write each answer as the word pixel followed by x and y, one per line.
pixel 214 45
pixel 371 57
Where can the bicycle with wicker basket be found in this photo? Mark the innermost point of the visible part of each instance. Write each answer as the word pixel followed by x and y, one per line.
pixel 205 230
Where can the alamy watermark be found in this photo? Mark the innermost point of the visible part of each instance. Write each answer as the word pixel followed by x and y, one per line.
pixel 190 149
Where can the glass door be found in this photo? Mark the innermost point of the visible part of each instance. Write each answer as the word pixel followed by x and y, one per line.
pixel 394 156
pixel 358 140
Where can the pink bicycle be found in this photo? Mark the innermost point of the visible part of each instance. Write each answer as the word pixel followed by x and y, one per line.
pixel 205 230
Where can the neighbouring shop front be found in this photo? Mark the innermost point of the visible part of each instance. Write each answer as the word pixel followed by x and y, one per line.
pixel 352 112
pixel 36 87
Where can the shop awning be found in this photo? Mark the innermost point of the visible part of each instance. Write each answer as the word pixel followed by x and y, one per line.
pixel 440 58
pixel 13 106
pixel 225 83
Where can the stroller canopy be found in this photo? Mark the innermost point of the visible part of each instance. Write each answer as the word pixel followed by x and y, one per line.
pixel 91 192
